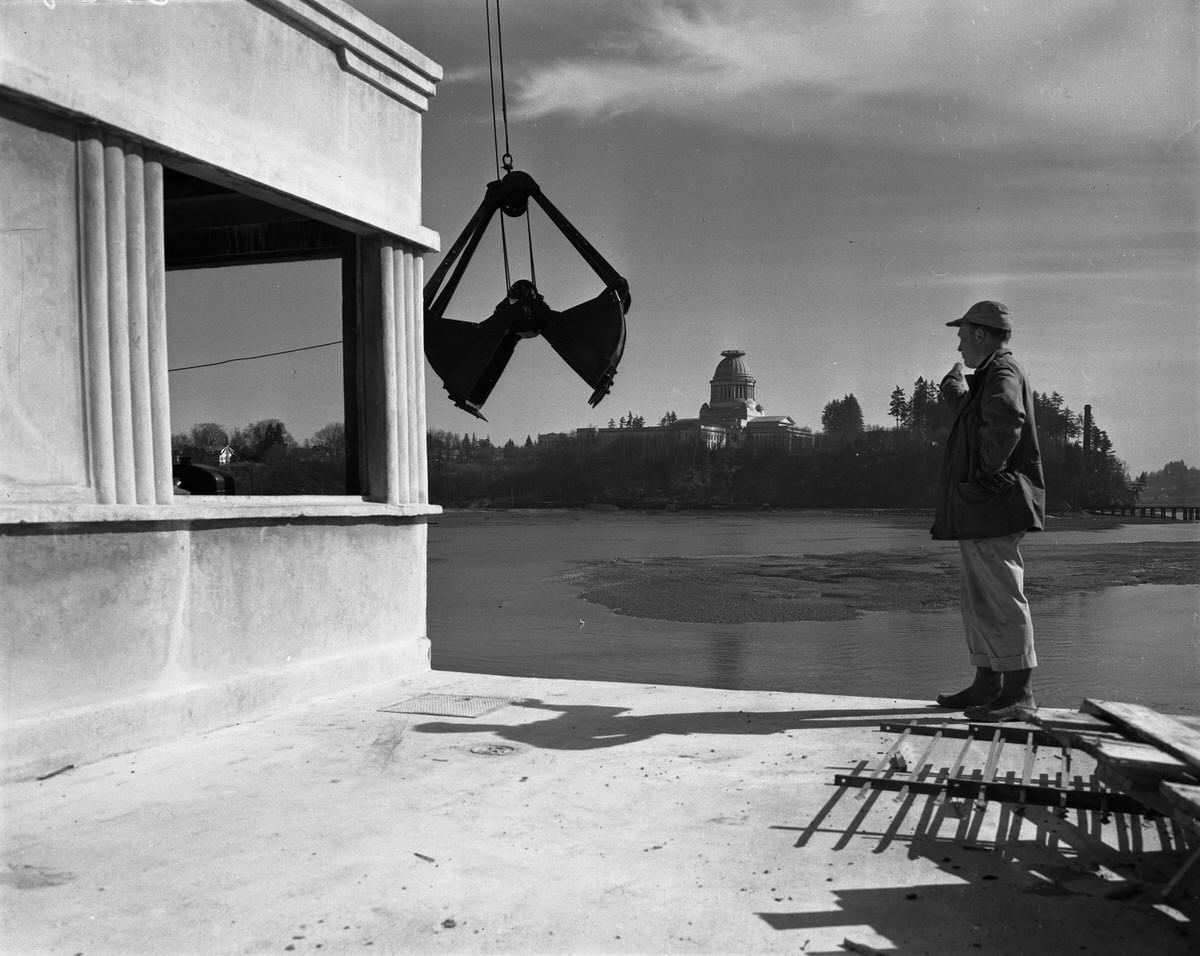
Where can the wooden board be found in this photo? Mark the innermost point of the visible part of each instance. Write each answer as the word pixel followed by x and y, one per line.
pixel 1165 732
pixel 1071 720
pixel 1133 755
pixel 1185 796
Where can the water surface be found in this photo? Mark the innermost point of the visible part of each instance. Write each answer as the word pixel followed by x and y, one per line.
pixel 501 602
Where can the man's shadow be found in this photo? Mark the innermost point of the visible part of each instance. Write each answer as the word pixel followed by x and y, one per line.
pixel 589 727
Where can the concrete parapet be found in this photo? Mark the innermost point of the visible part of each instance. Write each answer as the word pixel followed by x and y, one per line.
pixel 126 633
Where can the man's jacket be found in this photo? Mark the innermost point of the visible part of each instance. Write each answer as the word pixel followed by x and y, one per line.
pixel 991 481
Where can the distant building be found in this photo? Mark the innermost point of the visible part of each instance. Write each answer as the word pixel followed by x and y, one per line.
pixel 731 415
pixel 731 402
pixel 780 432
pixel 685 431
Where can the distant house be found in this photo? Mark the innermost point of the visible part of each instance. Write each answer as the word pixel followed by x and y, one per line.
pixel 225 455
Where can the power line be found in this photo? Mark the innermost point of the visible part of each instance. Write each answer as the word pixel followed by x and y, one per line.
pixel 247 358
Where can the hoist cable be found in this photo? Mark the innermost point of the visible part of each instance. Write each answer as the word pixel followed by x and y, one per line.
pixel 495 132
pixel 507 160
pixel 487 13
pixel 529 235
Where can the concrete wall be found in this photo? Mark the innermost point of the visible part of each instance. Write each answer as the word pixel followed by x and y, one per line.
pixel 119 635
pixel 129 615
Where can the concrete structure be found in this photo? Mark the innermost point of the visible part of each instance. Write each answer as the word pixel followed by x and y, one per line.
pixel 585 817
pixel 140 137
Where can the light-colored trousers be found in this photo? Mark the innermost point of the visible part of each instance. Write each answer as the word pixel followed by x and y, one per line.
pixel 994 610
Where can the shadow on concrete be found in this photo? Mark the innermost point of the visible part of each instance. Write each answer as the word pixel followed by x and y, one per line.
pixel 1011 913
pixel 588 727
pixel 1009 898
pixel 1019 877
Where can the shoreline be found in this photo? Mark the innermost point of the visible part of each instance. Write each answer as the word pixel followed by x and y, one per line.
pixel 901 517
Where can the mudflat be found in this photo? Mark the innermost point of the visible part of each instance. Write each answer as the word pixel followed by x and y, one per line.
pixel 769 573
pixel 838 587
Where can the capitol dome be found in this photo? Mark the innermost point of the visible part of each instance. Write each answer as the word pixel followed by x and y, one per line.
pixel 731 368
pixel 731 400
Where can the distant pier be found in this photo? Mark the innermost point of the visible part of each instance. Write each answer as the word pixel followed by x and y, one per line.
pixel 1165 512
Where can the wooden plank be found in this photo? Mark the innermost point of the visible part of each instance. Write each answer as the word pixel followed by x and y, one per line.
pixel 1137 756
pixel 1067 720
pixel 1131 754
pixel 921 761
pixel 1186 875
pixel 883 767
pixel 1143 792
pixel 1185 796
pixel 1184 799
pixel 1014 731
pixel 1004 791
pixel 1170 734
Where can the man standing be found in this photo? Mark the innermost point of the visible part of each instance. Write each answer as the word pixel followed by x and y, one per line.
pixel 990 494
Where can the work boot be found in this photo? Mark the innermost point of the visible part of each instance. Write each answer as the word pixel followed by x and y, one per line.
pixel 1014 703
pixel 985 689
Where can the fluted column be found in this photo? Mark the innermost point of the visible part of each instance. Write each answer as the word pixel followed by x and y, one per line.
pixel 117 242
pixel 412 398
pixel 156 335
pixel 390 387
pixel 94 251
pixel 141 428
pixel 418 313
pixel 402 288
pixel 124 322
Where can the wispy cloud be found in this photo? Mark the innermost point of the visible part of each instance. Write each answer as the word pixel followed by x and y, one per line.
pixel 466 74
pixel 925 74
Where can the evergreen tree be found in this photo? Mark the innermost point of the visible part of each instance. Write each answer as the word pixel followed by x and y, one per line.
pixel 842 418
pixel 899 408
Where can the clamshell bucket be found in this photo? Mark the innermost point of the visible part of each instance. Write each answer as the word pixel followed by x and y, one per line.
pixel 470 358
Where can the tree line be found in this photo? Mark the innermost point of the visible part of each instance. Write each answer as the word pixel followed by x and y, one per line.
pixel 850 464
pixel 265 459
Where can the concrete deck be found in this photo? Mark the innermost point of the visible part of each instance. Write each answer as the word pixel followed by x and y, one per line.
pixel 593 817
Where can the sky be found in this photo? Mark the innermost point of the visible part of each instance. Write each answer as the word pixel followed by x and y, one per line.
pixel 824 184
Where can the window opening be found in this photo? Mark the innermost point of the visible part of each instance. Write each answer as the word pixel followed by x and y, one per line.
pixel 261 316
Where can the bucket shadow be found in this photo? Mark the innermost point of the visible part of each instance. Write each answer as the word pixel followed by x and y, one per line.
pixel 590 727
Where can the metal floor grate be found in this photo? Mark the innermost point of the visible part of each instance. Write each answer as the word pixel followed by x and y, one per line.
pixel 448 705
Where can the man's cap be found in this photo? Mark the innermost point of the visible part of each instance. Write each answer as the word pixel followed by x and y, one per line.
pixel 989 314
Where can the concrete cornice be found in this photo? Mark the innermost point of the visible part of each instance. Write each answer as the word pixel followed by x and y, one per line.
pixel 306 99
pixel 364 49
